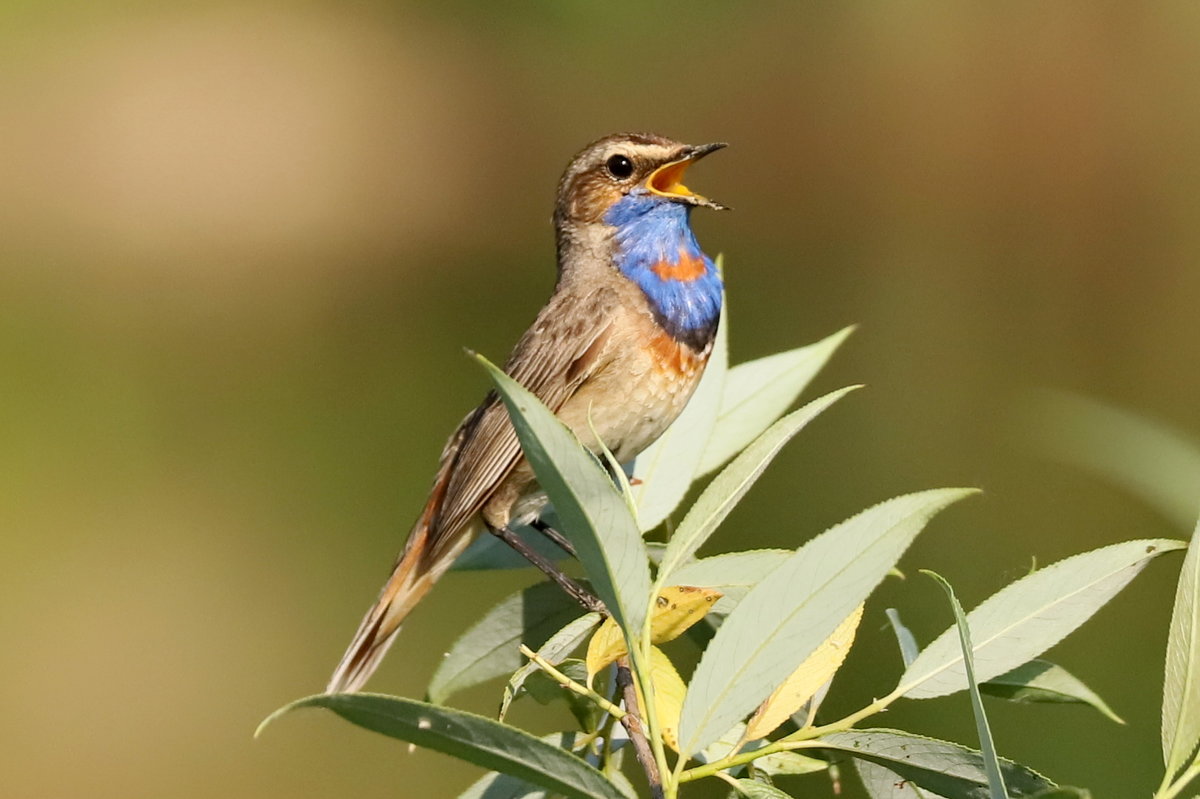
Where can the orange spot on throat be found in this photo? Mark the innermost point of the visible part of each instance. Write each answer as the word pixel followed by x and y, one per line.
pixel 688 268
pixel 671 355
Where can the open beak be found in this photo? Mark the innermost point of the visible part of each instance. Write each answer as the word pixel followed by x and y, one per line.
pixel 667 180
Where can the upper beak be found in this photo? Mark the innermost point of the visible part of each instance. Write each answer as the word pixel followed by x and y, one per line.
pixel 667 180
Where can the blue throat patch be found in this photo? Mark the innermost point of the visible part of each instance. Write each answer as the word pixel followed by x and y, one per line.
pixel 655 248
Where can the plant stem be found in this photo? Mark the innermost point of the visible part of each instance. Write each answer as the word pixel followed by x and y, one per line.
pixel 641 658
pixel 571 685
pixel 715 768
pixel 1169 790
pixel 801 739
pixel 637 734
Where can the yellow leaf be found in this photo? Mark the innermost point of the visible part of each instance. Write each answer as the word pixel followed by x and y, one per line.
pixel 677 608
pixel 668 696
pixel 805 681
pixel 606 645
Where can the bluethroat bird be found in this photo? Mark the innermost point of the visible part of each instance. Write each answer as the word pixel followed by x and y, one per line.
pixel 624 339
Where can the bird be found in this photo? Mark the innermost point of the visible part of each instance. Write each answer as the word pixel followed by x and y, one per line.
pixel 615 353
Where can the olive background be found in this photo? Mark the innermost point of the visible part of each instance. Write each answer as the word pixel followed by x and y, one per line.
pixel 243 245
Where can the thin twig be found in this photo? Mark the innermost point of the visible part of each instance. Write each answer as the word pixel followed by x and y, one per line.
pixel 569 684
pixel 635 728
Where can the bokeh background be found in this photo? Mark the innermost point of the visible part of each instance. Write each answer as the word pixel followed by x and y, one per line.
pixel 243 244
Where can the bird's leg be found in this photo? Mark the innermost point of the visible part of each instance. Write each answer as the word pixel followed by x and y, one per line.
pixel 573 589
pixel 558 538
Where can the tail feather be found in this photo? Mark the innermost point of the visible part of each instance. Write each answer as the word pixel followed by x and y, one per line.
pixel 414 574
pixel 428 553
pixel 379 627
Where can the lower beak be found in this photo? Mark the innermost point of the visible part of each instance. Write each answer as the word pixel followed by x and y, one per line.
pixel 667 180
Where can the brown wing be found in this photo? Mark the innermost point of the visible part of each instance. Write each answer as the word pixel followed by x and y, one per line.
pixel 565 345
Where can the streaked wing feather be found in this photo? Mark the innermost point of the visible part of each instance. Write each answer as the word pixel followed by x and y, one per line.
pixel 556 355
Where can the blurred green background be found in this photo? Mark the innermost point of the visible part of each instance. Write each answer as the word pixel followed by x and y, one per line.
pixel 243 244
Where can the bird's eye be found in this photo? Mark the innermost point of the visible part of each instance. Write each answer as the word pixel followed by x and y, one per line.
pixel 619 166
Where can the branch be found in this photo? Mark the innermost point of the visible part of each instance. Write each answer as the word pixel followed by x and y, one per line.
pixel 569 684
pixel 635 728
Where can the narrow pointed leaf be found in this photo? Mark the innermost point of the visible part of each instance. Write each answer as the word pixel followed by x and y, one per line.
pixel 489 648
pixel 668 695
pixel 789 763
pixel 617 777
pixel 594 515
pixel 1041 681
pixel 1181 694
pixel 942 768
pixel 882 783
pixel 664 471
pixel 468 737
pixel 725 744
pixel 494 785
pixel 1159 465
pixel 1026 618
pixel 733 574
pixel 756 393
pixel 753 789
pixel 904 638
pixel 655 550
pixel 800 686
pixel 728 488
pixel 545 690
pixel 991 765
pixel 784 618
pixel 554 651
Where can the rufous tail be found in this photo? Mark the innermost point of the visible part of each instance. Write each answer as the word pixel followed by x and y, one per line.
pixel 415 572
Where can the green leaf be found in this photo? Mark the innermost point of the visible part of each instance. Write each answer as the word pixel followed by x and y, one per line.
pixel 728 488
pixel 784 618
pixel 882 783
pixel 468 737
pixel 941 768
pixel 664 471
pixel 556 648
pixel 904 638
pixel 545 690
pixel 729 741
pixel 991 765
pixel 789 763
pixel 595 517
pixel 804 689
pixel 1042 681
pixel 1027 617
pixel 733 574
pixel 756 393
pixel 760 790
pixel 1156 463
pixel 1181 694
pixel 488 649
pixel 655 551
pixel 1063 792
pixel 494 785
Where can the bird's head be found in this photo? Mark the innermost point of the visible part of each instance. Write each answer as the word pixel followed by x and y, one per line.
pixel 643 166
